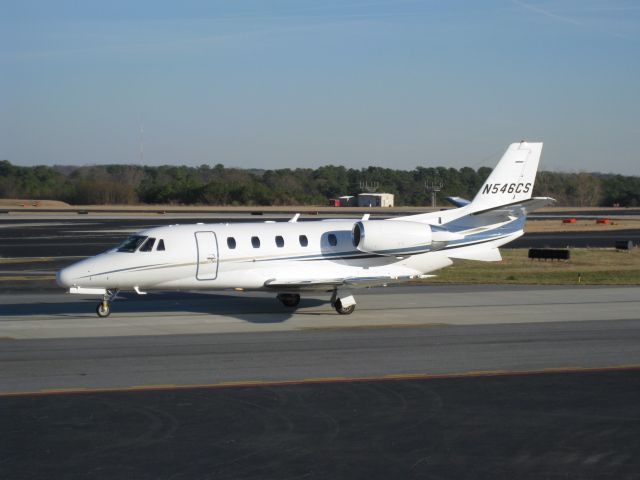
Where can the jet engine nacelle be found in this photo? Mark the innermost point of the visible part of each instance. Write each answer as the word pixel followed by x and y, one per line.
pixel 388 237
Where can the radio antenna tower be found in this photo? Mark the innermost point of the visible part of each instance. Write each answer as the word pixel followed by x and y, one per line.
pixel 433 185
pixel 141 143
pixel 369 187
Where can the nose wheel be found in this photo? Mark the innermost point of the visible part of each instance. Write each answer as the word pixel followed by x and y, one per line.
pixel 104 307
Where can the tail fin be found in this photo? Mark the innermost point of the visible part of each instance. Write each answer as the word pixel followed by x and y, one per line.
pixel 512 180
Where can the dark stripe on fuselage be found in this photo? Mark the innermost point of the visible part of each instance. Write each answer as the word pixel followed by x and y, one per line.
pixel 140 267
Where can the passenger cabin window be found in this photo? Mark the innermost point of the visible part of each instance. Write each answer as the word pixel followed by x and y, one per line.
pixel 231 242
pixel 279 241
pixel 148 245
pixel 304 241
pixel 160 246
pixel 255 241
pixel 131 244
pixel 333 241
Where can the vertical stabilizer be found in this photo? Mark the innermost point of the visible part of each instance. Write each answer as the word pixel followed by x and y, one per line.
pixel 513 178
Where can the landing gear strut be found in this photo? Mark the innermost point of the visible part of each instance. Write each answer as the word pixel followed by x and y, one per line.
pixel 344 305
pixel 103 309
pixel 289 299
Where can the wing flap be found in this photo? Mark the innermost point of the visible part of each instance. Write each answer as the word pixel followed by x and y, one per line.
pixel 355 282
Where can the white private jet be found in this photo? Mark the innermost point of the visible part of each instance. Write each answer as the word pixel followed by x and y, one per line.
pixel 335 256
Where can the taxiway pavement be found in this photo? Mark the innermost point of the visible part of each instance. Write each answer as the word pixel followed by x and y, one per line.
pixel 424 382
pixel 56 341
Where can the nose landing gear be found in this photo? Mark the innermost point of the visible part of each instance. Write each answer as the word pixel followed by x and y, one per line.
pixel 103 309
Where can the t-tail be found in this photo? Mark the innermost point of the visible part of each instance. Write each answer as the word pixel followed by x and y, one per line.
pixel 496 215
pixel 507 193
pixel 512 181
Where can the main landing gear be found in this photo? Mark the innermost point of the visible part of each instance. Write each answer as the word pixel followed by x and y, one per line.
pixel 103 309
pixel 289 299
pixel 342 310
pixel 344 304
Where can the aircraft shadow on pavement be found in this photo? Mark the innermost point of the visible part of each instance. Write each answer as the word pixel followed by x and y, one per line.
pixel 253 309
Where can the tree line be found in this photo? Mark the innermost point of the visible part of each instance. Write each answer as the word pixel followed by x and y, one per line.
pixel 218 185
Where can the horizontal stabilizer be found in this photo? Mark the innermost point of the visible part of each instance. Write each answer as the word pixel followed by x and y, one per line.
pixel 481 255
pixel 458 201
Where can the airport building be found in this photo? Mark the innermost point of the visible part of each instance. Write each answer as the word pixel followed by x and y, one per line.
pixel 375 200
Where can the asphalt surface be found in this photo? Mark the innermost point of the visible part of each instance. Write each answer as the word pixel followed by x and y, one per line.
pixel 43 315
pixel 118 356
pixel 548 426
pixel 420 382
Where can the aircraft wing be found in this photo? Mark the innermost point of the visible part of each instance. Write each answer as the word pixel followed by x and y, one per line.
pixel 330 284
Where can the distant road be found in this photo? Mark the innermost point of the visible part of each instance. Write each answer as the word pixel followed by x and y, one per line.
pixel 603 239
pixel 549 212
pixel 64 236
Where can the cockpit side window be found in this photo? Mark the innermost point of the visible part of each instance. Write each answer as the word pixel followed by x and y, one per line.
pixel 160 246
pixel 132 243
pixel 148 245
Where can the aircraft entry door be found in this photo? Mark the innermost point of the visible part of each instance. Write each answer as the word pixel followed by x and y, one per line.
pixel 207 246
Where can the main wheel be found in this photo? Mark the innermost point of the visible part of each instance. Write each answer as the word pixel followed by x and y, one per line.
pixel 103 309
pixel 289 299
pixel 343 310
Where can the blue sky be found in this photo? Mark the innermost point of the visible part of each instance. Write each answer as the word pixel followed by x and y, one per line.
pixel 275 84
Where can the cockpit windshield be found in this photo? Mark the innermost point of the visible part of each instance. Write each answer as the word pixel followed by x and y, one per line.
pixel 132 243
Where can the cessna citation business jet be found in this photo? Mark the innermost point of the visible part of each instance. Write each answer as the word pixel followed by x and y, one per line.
pixel 336 256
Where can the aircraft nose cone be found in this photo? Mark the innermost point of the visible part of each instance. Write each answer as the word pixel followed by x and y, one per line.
pixel 64 278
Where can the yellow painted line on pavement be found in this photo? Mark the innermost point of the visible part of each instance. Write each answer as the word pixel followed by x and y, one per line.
pixel 238 383
pixel 320 380
pixel 373 326
pixel 403 376
pixel 160 386
pixel 63 390
pixel 324 379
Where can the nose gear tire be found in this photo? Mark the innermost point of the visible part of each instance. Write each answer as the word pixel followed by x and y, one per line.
pixel 103 310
